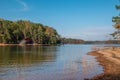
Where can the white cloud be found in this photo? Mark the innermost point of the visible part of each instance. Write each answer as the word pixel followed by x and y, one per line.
pixel 23 4
pixel 93 33
pixel 96 33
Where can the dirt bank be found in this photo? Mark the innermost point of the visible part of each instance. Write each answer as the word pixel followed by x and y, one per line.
pixel 109 58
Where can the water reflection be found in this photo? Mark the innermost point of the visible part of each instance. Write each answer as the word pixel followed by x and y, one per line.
pixel 68 62
pixel 26 54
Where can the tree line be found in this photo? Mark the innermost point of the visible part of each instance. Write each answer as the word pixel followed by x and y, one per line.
pixel 27 32
pixel 71 41
pixel 15 32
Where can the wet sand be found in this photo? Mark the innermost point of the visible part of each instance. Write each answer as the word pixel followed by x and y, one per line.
pixel 109 58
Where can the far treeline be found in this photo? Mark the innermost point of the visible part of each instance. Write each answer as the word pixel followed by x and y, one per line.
pixel 26 32
pixel 71 41
pixel 103 42
pixel 80 41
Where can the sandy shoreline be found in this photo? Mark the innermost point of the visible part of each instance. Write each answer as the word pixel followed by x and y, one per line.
pixel 109 58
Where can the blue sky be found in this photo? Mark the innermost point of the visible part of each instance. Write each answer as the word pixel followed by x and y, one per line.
pixel 83 19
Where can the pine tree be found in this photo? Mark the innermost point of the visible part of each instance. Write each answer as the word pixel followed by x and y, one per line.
pixel 116 20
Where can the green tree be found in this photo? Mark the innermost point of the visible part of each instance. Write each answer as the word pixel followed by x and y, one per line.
pixel 116 20
pixel 17 31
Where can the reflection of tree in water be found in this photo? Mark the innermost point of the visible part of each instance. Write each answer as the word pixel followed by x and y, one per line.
pixel 26 54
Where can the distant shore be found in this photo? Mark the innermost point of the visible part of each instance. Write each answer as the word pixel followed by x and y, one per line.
pixel 109 58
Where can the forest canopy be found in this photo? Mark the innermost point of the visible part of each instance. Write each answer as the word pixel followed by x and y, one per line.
pixel 23 31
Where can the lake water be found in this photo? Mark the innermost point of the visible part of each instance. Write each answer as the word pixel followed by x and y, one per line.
pixel 65 62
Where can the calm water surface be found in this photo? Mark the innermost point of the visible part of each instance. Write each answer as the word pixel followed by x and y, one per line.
pixel 65 62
